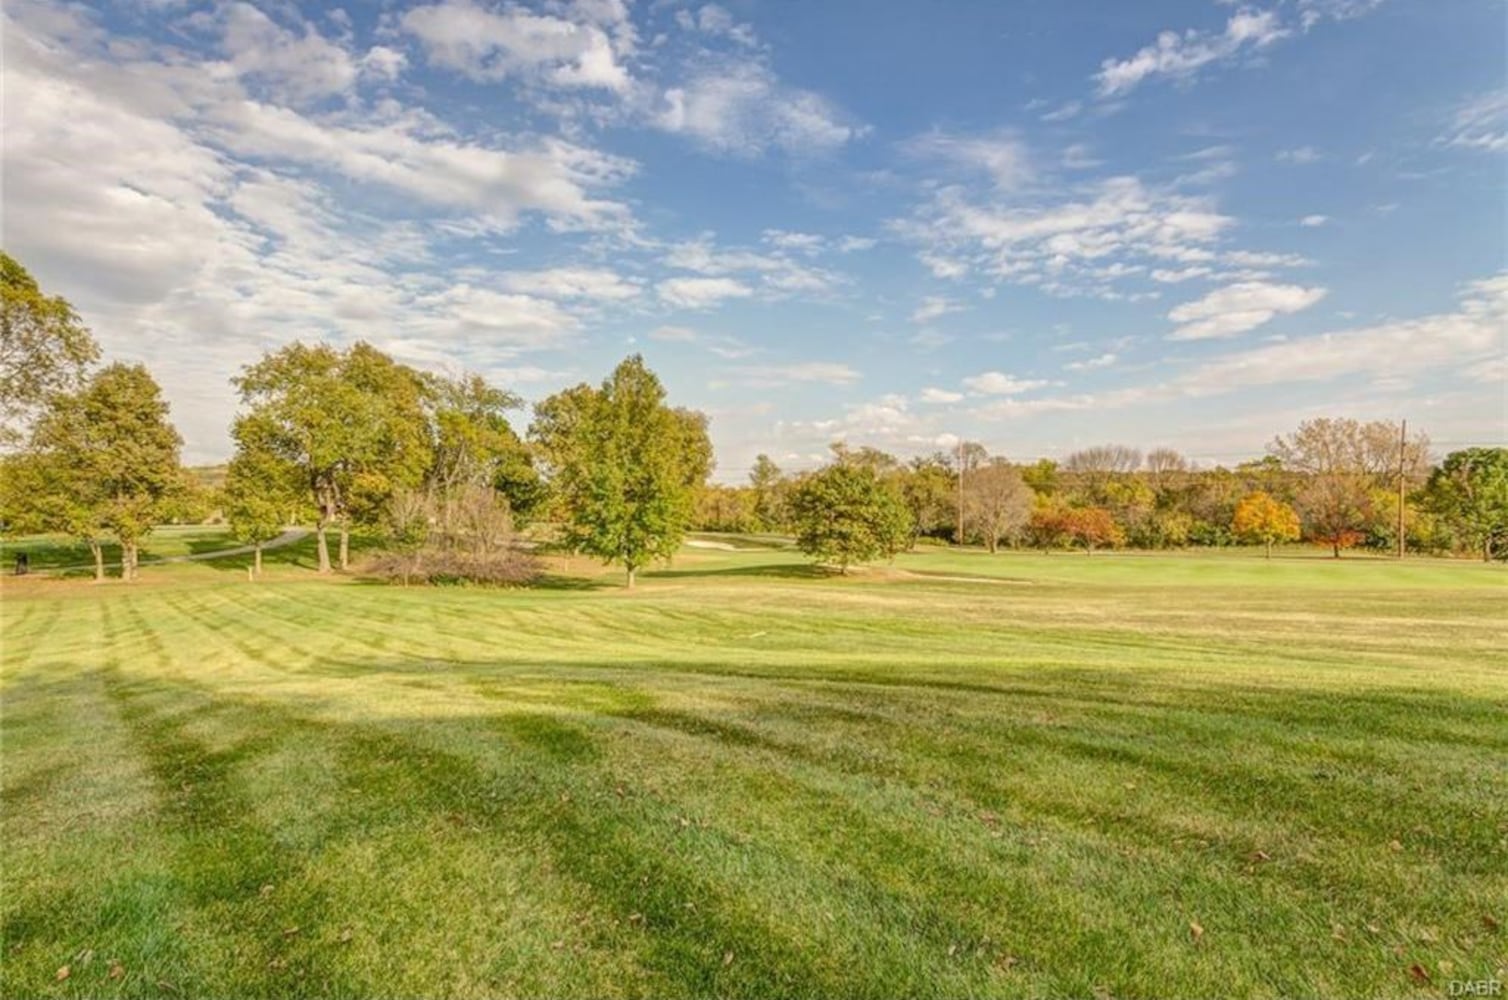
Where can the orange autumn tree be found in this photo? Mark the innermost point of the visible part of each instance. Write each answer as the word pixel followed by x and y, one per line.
pixel 1261 518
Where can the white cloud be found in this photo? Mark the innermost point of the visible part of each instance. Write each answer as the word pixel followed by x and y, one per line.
pixel 738 107
pixel 935 395
pixel 853 244
pixel 1314 220
pixel 1064 247
pixel 1236 308
pixel 776 273
pixel 298 66
pixel 1180 56
pixel 1480 124
pixel 1173 276
pixel 829 373
pixel 934 307
pixel 804 243
pixel 701 293
pixel 1001 384
pixel 597 284
pixel 1472 335
pixel 1001 156
pixel 1088 364
pixel 1299 156
pixel 489 44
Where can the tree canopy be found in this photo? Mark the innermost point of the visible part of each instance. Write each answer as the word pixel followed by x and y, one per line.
pixel 845 514
pixel 624 466
pixel 45 349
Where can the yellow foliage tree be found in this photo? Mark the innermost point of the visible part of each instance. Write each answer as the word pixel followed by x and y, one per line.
pixel 1260 518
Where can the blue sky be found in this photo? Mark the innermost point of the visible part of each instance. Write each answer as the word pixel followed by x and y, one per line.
pixel 1040 225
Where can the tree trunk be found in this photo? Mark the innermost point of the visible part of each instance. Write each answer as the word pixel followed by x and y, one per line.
pixel 631 572
pixel 324 547
pixel 1335 546
pixel 1269 550
pixel 1487 549
pixel 257 559
pixel 128 561
pixel 345 546
pixel 98 551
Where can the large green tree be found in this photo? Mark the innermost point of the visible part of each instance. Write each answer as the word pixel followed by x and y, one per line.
pixel 624 466
pixel 1469 491
pixel 846 513
pixel 352 422
pixel 45 349
pixel 111 460
pixel 263 490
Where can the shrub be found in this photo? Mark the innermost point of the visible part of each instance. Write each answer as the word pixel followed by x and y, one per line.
pixel 442 567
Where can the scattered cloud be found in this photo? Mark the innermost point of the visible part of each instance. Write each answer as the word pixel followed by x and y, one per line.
pixel 1000 156
pixel 934 307
pixel 737 107
pixel 1238 308
pixel 1180 56
pixel 1001 384
pixel 1481 124
pixel 1299 156
pixel 701 293
pixel 1105 360
pixel 1313 221
pixel 935 395
pixel 598 284
pixel 826 372
pixel 488 44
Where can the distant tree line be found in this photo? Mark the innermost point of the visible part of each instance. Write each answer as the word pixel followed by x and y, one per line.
pixel 1333 482
pixel 352 441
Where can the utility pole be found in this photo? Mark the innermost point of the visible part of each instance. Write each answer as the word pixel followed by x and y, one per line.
pixel 1403 436
pixel 960 491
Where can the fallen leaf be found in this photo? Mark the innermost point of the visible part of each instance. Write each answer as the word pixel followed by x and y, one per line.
pixel 116 970
pixel 344 936
pixel 727 959
pixel 635 918
pixel 290 931
pixel 63 973
pixel 1006 962
pixel 1196 930
pixel 1374 928
pixel 1419 972
pixel 1488 922
pixel 1338 932
pixel 266 890
pixel 1445 966
pixel 1394 845
pixel 163 984
pixel 952 949
pixel 1260 856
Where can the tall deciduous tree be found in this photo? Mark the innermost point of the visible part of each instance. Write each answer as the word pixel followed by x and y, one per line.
pixel 625 467
pixel 1341 462
pixel 45 349
pixel 113 459
pixel 351 421
pixel 1469 491
pixel 997 503
pixel 1259 519
pixel 768 485
pixel 262 488
pixel 845 513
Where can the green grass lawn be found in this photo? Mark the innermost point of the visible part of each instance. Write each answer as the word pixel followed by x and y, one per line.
pixel 1129 776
